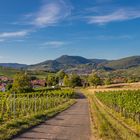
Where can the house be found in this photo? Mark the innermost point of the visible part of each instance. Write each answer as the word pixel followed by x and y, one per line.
pixel 38 83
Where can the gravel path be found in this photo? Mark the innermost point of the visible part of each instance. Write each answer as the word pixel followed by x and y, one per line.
pixel 71 124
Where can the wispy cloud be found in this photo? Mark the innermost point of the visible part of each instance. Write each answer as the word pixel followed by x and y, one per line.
pixel 6 35
pixel 50 13
pixel 53 44
pixel 114 16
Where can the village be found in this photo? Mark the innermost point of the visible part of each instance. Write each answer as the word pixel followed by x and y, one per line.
pixel 6 83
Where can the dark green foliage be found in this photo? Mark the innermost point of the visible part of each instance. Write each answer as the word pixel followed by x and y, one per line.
pixel 75 80
pixel 8 87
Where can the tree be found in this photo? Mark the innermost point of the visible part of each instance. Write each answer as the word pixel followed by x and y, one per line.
pixel 8 87
pixel 75 80
pixel 51 80
pixel 21 83
pixel 61 74
pixel 94 80
pixel 84 79
pixel 66 81
pixel 107 81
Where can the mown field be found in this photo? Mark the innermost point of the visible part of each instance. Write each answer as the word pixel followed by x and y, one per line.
pixel 21 111
pixel 115 114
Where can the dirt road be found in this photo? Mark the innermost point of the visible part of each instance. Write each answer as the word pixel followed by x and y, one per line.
pixel 71 124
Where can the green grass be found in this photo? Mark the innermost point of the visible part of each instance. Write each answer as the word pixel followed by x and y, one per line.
pixel 14 127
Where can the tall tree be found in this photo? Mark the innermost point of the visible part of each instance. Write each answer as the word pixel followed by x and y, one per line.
pixel 66 81
pixel 21 83
pixel 75 80
pixel 51 80
pixel 94 80
pixel 61 74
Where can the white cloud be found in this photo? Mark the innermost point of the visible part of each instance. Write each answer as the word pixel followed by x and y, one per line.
pixel 118 15
pixel 50 13
pixel 53 44
pixel 5 35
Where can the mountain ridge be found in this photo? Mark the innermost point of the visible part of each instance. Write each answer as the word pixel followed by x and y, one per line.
pixel 78 63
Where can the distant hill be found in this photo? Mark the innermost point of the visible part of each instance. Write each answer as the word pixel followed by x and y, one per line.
pixel 83 65
pixel 72 60
pixel 13 65
pixel 80 64
pixel 124 63
pixel 69 64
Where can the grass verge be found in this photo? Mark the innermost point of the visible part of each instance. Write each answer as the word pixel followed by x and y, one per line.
pixel 17 126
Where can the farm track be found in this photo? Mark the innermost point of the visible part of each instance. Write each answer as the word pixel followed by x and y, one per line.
pixel 71 124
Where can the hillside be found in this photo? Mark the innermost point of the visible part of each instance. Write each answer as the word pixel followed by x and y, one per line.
pixel 124 63
pixel 10 72
pixel 82 65
pixel 13 65
pixel 68 63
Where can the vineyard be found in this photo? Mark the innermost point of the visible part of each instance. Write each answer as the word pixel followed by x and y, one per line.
pixel 115 115
pixel 125 102
pixel 25 106
pixel 18 105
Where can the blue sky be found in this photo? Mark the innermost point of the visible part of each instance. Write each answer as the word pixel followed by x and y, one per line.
pixel 32 31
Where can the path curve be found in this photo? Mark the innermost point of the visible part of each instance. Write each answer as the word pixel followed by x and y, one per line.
pixel 71 124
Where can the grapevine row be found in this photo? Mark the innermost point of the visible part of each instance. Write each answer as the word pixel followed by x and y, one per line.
pixel 125 102
pixel 14 106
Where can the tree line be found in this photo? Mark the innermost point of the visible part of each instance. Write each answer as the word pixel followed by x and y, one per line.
pixel 22 81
